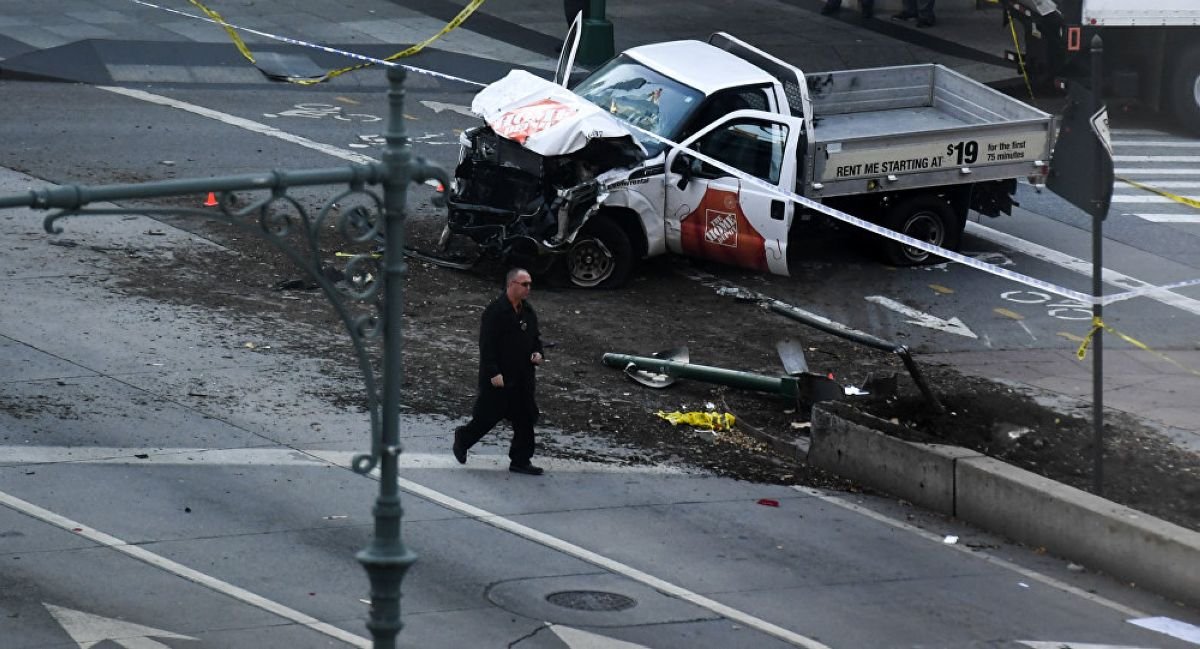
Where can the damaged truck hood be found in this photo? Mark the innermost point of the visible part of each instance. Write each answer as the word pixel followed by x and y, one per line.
pixel 548 119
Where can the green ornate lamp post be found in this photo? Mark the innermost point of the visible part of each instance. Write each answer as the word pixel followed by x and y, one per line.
pixel 596 36
pixel 369 301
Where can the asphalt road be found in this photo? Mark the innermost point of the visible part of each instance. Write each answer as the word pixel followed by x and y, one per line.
pixel 235 524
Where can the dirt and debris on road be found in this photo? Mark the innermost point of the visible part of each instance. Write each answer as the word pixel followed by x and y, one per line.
pixel 661 309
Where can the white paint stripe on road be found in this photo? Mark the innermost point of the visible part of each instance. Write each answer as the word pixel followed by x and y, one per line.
pixel 568 548
pixel 1165 184
pixel 180 570
pixel 1080 266
pixel 448 502
pixel 249 125
pixel 25 455
pixel 1170 218
pixel 972 552
pixel 1173 144
pixel 1156 158
pixel 1155 171
pixel 1127 198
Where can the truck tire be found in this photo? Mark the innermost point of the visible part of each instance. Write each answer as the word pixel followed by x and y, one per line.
pixel 1185 90
pixel 601 256
pixel 927 218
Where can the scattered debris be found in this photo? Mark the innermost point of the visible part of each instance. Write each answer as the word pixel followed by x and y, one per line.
pixel 706 420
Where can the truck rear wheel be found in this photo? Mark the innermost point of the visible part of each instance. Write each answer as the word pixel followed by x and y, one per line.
pixel 927 218
pixel 601 256
pixel 1185 90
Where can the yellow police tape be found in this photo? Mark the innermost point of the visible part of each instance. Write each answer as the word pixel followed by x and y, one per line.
pixel 1190 202
pixel 241 45
pixel 712 420
pixel 1098 324
pixel 1012 25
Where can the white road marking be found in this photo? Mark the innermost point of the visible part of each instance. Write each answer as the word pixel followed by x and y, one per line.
pixel 1156 158
pixel 1171 627
pixel 1080 266
pixel 212 583
pixel 1176 144
pixel 1128 198
pixel 953 325
pixel 1165 184
pixel 232 120
pixel 611 565
pixel 1154 171
pixel 88 630
pixel 576 639
pixel 1074 646
pixel 437 107
pixel 973 552
pixel 1170 218
pixel 25 455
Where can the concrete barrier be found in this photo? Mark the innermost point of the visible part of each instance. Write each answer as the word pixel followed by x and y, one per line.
pixel 1133 546
pixel 922 474
pixel 1123 542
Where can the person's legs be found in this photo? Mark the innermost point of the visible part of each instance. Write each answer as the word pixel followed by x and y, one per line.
pixel 924 9
pixel 909 10
pixel 467 435
pixel 831 7
pixel 520 452
pixel 868 8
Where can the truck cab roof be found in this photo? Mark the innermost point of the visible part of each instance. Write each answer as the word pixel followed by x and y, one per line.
pixel 700 65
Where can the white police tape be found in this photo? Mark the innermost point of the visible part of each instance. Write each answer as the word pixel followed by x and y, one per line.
pixel 888 233
pixel 323 48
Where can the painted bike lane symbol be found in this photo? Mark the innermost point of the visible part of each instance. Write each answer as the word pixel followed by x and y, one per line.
pixel 321 111
pixel 1062 309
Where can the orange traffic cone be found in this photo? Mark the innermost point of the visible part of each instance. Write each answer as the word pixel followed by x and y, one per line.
pixel 211 201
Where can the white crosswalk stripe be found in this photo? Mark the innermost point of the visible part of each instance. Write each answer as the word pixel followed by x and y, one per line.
pixel 1154 159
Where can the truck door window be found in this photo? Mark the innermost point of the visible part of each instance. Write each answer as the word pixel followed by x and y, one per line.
pixel 753 146
pixel 722 103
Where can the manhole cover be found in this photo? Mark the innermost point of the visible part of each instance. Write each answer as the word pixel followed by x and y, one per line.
pixel 591 600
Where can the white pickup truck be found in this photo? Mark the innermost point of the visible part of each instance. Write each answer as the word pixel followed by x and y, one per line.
pixel 560 175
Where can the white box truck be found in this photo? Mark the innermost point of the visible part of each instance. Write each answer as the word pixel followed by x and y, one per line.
pixel 1151 49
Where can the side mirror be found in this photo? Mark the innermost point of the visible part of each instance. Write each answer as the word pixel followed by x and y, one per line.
pixel 686 166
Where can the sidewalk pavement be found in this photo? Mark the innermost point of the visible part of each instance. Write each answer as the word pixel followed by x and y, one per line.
pixel 136 41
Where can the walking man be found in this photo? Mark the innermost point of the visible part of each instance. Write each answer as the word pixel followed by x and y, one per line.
pixel 510 349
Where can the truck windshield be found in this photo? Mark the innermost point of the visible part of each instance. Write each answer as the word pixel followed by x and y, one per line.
pixel 641 97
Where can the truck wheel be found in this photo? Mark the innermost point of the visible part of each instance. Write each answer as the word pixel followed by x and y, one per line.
pixel 927 218
pixel 601 255
pixel 1185 90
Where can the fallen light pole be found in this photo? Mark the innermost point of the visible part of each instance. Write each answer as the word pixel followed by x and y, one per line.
pixel 842 331
pixel 370 303
pixel 806 389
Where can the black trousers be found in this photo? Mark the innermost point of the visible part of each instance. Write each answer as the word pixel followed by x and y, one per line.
pixel 520 451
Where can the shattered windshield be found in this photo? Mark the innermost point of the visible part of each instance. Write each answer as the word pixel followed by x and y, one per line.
pixel 641 97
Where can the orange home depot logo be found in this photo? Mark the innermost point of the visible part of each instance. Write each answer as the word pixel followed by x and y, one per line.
pixel 720 228
pixel 520 123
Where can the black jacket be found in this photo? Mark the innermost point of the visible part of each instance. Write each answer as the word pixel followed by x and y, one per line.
pixel 506 341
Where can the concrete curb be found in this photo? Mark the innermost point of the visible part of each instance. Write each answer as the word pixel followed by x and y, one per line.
pixel 1156 555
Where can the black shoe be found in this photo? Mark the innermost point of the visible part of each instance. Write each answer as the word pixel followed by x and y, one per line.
pixel 904 15
pixel 926 22
pixel 527 469
pixel 460 453
pixel 829 10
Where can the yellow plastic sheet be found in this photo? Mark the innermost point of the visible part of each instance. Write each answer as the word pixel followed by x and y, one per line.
pixel 710 420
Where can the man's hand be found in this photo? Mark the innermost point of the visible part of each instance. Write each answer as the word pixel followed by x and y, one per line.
pixel 536 358
pixel 498 381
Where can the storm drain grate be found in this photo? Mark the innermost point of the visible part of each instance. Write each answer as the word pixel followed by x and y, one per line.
pixel 591 600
